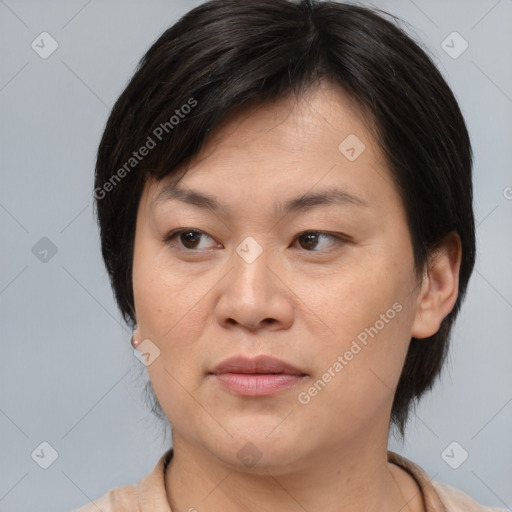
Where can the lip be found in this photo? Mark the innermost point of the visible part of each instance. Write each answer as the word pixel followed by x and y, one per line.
pixel 258 376
pixel 256 365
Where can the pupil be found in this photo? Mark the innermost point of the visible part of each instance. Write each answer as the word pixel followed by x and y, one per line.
pixel 310 239
pixel 190 239
pixel 188 235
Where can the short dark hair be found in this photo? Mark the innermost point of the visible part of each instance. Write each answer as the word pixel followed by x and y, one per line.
pixel 226 55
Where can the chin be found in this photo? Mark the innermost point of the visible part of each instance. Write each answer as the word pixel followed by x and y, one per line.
pixel 258 448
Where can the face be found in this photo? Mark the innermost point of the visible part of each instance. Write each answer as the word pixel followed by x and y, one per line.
pixel 301 252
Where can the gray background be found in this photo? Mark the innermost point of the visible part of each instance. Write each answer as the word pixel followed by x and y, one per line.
pixel 67 372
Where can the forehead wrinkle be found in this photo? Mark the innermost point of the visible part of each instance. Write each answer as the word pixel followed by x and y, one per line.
pixel 308 201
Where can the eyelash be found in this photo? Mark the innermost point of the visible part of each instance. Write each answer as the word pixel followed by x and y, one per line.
pixel 174 234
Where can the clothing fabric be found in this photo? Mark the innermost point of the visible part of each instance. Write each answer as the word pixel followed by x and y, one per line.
pixel 149 495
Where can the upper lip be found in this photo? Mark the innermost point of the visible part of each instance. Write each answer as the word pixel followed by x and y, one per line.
pixel 261 364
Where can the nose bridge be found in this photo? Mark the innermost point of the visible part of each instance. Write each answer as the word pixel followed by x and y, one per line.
pixel 251 273
pixel 252 296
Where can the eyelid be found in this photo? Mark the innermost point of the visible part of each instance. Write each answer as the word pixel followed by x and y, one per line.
pixel 339 237
pixel 176 232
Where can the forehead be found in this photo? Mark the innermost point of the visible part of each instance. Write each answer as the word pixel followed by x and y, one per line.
pixel 286 147
pixel 315 122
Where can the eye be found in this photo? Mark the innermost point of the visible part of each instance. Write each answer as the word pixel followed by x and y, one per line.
pixel 189 238
pixel 312 240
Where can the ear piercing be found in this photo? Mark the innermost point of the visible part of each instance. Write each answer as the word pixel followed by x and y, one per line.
pixel 135 343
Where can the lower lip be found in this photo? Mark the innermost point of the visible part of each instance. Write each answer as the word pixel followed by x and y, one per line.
pixel 250 384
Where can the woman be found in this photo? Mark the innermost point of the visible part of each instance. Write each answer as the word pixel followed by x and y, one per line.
pixel 285 203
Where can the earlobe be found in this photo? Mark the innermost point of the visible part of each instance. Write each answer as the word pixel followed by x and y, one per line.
pixel 135 341
pixel 440 287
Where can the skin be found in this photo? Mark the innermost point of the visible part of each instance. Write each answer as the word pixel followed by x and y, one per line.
pixel 298 301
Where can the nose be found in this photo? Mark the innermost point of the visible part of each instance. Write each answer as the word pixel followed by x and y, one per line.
pixel 255 295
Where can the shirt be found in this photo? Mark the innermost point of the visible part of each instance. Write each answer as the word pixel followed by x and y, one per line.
pixel 149 495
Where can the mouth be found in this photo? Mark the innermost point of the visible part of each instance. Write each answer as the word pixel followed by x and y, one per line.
pixel 259 376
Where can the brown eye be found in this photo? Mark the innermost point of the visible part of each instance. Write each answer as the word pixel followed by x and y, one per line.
pixel 188 238
pixel 312 240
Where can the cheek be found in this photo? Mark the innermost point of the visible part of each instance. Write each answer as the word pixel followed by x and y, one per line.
pixel 172 313
pixel 338 314
pixel 165 295
pixel 340 305
pixel 365 312
pixel 356 376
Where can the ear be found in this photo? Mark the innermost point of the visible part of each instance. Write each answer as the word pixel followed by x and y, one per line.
pixel 439 288
pixel 136 333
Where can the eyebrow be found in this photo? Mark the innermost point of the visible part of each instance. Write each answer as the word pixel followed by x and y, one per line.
pixel 309 200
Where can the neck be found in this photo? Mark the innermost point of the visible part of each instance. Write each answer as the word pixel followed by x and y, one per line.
pixel 352 479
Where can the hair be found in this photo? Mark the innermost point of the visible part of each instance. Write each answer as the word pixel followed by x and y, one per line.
pixel 225 55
